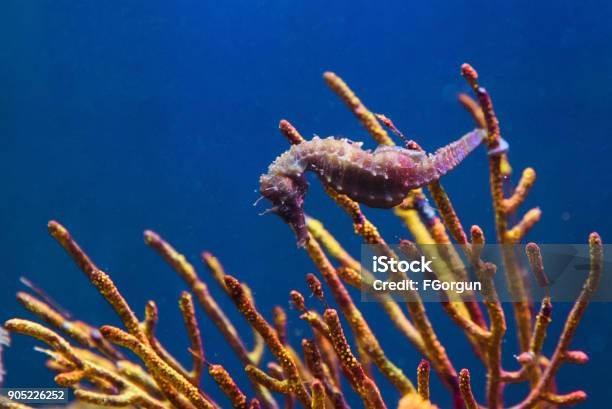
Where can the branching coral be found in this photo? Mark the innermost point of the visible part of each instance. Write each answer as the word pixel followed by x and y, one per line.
pixel 90 360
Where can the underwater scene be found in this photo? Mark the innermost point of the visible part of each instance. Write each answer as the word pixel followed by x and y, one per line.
pixel 306 204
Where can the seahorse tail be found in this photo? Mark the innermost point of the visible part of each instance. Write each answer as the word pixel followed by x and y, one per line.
pixel 286 193
pixel 447 158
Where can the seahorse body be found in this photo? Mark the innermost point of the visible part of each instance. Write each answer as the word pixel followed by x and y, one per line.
pixel 381 178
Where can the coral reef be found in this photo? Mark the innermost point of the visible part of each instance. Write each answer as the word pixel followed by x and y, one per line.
pixel 342 350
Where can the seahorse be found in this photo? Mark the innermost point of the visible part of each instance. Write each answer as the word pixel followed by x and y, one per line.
pixel 381 178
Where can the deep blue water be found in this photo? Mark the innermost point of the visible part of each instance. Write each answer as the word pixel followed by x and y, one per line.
pixel 119 117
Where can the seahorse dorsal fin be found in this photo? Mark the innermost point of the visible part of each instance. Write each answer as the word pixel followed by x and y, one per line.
pixel 382 148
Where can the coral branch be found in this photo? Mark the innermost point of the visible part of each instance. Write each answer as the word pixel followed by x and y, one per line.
pixel 81 332
pixel 367 118
pixel 414 401
pixel 62 235
pixel 498 329
pixel 186 271
pixel 543 320
pixel 315 287
pixel 280 323
pixel 569 399
pixel 423 379
pixel 228 386
pixel 389 124
pixel 571 324
pixel 466 390
pixel 246 307
pixel 98 278
pixel 318 395
pixel 289 131
pixel 473 109
pixel 521 229
pixel 49 337
pixel 83 368
pixel 258 376
pixel 522 190
pixel 149 326
pixel 322 373
pixel 535 262
pixel 451 220
pixel 193 332
pixel 465 323
pixel 354 274
pixel 157 366
pixel 358 324
pixel 497 172
pixel 178 262
pixel 218 272
pixel 108 290
pixel 434 350
pixel 351 366
pixel 576 357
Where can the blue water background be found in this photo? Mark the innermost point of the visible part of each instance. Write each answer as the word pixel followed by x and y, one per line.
pixel 121 116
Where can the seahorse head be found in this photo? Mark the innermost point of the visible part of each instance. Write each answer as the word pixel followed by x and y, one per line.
pixel 286 193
